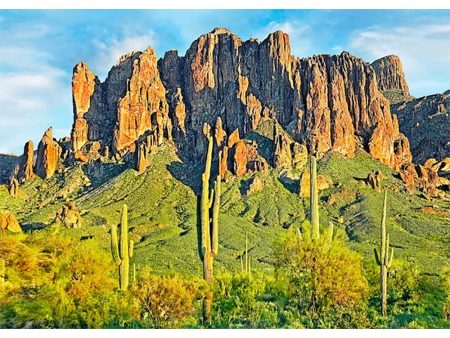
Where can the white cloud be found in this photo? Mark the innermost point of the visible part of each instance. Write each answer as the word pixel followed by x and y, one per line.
pixel 297 31
pixel 423 49
pixel 109 52
pixel 31 90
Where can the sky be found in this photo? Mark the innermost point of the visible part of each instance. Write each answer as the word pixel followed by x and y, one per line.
pixel 38 50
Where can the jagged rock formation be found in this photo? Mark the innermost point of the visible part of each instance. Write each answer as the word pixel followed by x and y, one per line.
pixel 328 102
pixel 48 154
pixel 144 106
pixel 425 121
pixel 117 112
pixel 145 148
pixel 426 178
pixel 83 86
pixel 322 103
pixel 69 216
pixel 26 166
pixel 13 187
pixel 9 222
pixel 286 152
pixel 391 79
pixel 374 180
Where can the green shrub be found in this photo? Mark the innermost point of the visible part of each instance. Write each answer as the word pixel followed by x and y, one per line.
pixel 325 284
pixel 165 301
pixel 58 283
pixel 242 300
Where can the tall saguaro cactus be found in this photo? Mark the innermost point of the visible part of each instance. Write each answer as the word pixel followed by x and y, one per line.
pixel 122 250
pixel 209 216
pixel 384 258
pixel 314 199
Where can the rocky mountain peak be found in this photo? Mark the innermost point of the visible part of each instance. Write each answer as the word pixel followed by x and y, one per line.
pixel 324 102
pixel 390 76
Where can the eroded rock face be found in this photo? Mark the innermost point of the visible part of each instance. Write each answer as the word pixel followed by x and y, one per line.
pixel 240 154
pixel 144 106
pixel 145 147
pixel 26 166
pixel 391 79
pixel 425 122
pixel 84 82
pixel 323 102
pixel 47 155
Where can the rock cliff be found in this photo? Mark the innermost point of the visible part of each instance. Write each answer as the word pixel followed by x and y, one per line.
pixel 391 78
pixel 425 121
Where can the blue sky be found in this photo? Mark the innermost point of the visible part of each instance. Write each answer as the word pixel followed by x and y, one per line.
pixel 38 50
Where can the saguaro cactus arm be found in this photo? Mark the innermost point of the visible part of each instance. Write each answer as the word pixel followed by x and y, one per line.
pixel 314 204
pixel 115 244
pixel 215 217
pixel 131 249
pixel 124 233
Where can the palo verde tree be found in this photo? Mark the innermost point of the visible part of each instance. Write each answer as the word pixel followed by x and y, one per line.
pixel 209 218
pixel 384 258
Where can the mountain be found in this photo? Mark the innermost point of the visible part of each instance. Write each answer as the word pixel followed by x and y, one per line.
pixel 139 138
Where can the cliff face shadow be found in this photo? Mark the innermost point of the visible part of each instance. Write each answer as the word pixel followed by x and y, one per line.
pixel 265 145
pixel 31 227
pixel 292 185
pixel 7 164
pixel 100 173
pixel 186 173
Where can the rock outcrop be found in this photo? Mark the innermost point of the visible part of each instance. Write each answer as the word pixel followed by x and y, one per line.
pixel 47 155
pixel 391 78
pixel 27 162
pixel 375 179
pixel 144 106
pixel 286 152
pixel 425 121
pixel 84 82
pixel 69 216
pixel 13 187
pixel 427 178
pixel 323 182
pixel 9 222
pixel 130 102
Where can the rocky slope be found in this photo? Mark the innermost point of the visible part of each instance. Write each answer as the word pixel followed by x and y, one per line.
pixel 426 123
pixel 423 120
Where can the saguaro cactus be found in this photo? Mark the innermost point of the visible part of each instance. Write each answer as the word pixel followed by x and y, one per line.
pixel 384 258
pixel 314 199
pixel 122 250
pixel 246 269
pixel 209 216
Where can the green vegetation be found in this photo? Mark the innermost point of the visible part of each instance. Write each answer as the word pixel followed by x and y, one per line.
pixel 68 278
